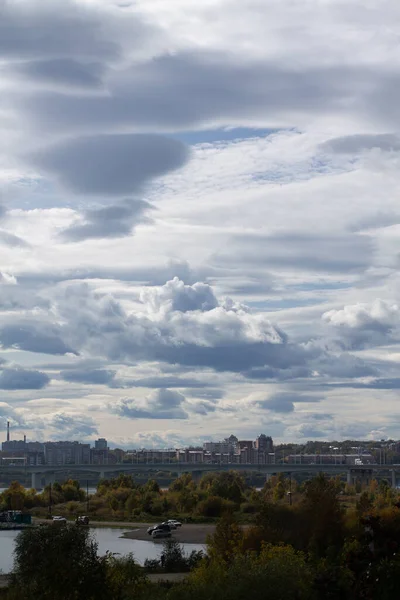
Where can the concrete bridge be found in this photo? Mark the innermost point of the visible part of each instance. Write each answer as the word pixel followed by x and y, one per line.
pixel 351 471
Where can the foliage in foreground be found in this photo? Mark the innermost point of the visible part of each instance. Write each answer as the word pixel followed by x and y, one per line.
pixel 173 559
pixel 62 563
pixel 312 550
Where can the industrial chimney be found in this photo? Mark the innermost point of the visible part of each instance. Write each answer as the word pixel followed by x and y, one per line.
pixel 24 439
pixel 8 431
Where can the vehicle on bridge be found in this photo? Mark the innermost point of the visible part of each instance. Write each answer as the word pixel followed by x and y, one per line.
pixel 82 521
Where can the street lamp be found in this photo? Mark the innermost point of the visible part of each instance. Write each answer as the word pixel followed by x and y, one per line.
pixel 290 490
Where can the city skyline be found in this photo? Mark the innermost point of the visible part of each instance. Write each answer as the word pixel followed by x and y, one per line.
pixel 199 226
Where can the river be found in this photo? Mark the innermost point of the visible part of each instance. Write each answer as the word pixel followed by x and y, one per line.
pixel 109 539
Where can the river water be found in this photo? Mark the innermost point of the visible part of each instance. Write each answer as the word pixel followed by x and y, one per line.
pixel 109 539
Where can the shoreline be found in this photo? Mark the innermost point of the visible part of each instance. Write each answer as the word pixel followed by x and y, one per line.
pixel 189 533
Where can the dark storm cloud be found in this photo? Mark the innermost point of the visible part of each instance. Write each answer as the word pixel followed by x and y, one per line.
pixel 343 365
pixel 276 373
pixel 95 376
pixel 241 356
pixel 113 221
pixel 184 90
pixel 161 404
pixel 284 402
pixel 110 164
pixel 382 383
pixel 68 73
pixel 71 426
pixel 168 382
pixel 34 337
pixel 304 251
pixel 22 379
pixel 353 144
pixel 36 30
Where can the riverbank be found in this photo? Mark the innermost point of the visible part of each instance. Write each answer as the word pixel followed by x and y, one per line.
pixel 190 533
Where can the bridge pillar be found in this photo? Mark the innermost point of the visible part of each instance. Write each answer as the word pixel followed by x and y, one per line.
pixel 34 480
pixel 102 475
pixel 394 479
pixel 268 477
pixel 349 478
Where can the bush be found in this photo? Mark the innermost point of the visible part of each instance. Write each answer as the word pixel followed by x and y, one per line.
pixel 214 506
pixel 249 508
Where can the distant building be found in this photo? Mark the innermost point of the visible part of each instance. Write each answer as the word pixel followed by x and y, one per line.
pixel 331 459
pixel 190 456
pixel 101 444
pixel 264 443
pixel 227 446
pixel 67 453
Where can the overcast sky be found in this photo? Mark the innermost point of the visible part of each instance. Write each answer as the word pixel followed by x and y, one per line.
pixel 199 219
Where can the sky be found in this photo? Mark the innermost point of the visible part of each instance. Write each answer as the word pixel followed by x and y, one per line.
pixel 199 220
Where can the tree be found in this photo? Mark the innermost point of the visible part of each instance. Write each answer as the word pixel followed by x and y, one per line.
pixel 322 517
pixel 226 540
pixel 184 482
pixel 278 573
pixel 58 563
pixel 173 558
pixel 124 577
pixel 214 506
pixel 14 497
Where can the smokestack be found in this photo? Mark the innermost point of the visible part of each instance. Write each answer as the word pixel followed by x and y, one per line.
pixel 8 431
pixel 24 439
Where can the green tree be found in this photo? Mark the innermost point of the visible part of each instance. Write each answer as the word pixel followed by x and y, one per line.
pixel 278 573
pixel 214 506
pixel 57 563
pixel 321 516
pixel 227 539
pixel 125 577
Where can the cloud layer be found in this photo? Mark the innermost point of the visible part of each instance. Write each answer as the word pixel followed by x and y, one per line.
pixel 194 225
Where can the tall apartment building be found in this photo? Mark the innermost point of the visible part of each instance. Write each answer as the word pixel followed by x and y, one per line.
pixel 99 454
pixel 67 453
pixel 101 444
pixel 227 446
pixel 264 443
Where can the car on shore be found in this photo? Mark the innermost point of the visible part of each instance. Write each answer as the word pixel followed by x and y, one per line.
pixel 160 527
pixel 161 533
pixel 174 523
pixel 59 520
